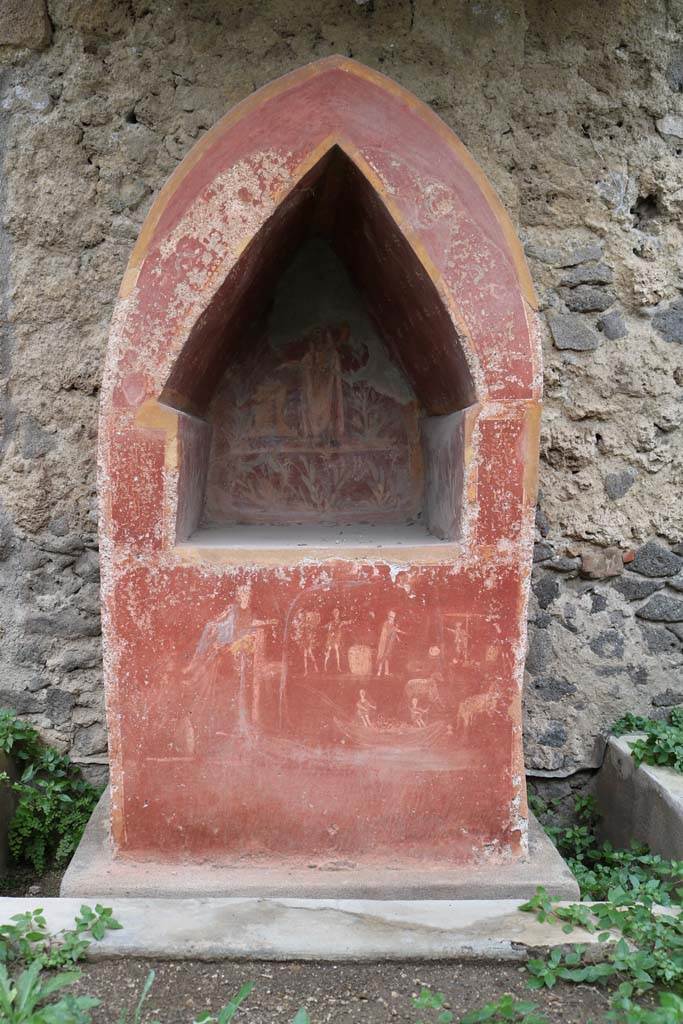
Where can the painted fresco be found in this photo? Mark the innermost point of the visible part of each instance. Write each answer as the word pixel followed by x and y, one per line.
pixel 340 673
pixel 316 426
pixel 340 713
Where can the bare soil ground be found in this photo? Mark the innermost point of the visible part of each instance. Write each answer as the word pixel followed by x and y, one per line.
pixel 23 881
pixel 332 993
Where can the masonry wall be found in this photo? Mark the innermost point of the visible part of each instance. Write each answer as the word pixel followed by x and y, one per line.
pixel 575 112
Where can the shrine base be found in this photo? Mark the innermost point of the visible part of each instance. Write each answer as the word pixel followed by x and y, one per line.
pixel 94 872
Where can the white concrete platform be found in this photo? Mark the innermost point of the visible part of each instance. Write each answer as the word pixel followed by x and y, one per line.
pixel 300 929
pixel 642 803
pixel 94 871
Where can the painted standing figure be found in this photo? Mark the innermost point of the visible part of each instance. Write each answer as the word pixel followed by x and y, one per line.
pixel 335 628
pixel 387 641
pixel 239 634
pixel 305 633
pixel 322 399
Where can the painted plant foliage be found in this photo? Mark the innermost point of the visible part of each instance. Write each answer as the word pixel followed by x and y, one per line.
pixel 317 426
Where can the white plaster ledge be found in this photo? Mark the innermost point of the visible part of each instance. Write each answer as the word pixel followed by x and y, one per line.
pixel 311 929
pixel 642 803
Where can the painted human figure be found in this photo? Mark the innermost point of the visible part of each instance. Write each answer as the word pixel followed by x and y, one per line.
pixel 418 714
pixel 241 635
pixel 335 628
pixel 459 634
pixel 322 398
pixel 363 709
pixel 388 638
pixel 305 633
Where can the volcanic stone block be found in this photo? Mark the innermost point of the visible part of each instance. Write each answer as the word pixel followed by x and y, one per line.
pixel 654 559
pixel 571 332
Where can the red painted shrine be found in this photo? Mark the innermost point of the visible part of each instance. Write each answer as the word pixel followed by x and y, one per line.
pixel 318 455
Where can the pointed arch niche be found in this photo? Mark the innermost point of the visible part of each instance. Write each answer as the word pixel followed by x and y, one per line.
pixel 331 377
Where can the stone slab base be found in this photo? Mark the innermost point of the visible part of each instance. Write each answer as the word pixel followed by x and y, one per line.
pixel 94 872
pixel 643 804
pixel 288 929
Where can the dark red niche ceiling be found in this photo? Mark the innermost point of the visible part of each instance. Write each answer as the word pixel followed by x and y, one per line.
pixel 334 200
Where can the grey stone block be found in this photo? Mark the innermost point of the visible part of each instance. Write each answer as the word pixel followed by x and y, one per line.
pixel 654 559
pixel 587 298
pixel 617 484
pixel 669 321
pixel 635 589
pixel 662 608
pixel 569 331
pixel 612 325
pixel 588 273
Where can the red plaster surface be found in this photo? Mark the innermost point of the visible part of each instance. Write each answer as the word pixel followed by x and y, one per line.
pixel 317 704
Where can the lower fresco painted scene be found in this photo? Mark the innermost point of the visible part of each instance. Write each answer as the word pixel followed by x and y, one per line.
pixel 351 688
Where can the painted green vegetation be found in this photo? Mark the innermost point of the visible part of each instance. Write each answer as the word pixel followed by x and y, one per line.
pixel 53 801
pixel 662 744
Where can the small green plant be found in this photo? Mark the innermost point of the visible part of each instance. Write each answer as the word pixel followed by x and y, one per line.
pixel 228 1012
pixel 507 1008
pixel 567 965
pixel 599 868
pixel 662 744
pixel 137 1012
pixel 626 1011
pixel 428 1000
pixel 26 938
pixel 25 1000
pixel 54 801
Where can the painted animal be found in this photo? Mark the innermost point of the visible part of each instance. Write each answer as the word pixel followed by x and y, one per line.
pixel 469 708
pixel 426 689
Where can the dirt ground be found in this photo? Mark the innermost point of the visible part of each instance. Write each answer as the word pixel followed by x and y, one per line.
pixel 332 993
pixel 23 881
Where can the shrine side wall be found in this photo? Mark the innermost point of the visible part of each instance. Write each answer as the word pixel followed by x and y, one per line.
pixel 577 120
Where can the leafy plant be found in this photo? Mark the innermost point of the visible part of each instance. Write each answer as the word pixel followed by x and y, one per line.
pixel 507 1008
pixel 23 1001
pixel 662 744
pixel 26 937
pixel 428 1000
pixel 567 965
pixel 54 801
pixel 599 868
pixel 626 1011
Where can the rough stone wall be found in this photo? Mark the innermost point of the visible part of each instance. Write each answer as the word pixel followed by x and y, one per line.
pixel 575 112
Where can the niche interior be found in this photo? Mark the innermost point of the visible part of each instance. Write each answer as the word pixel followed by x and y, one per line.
pixel 330 381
